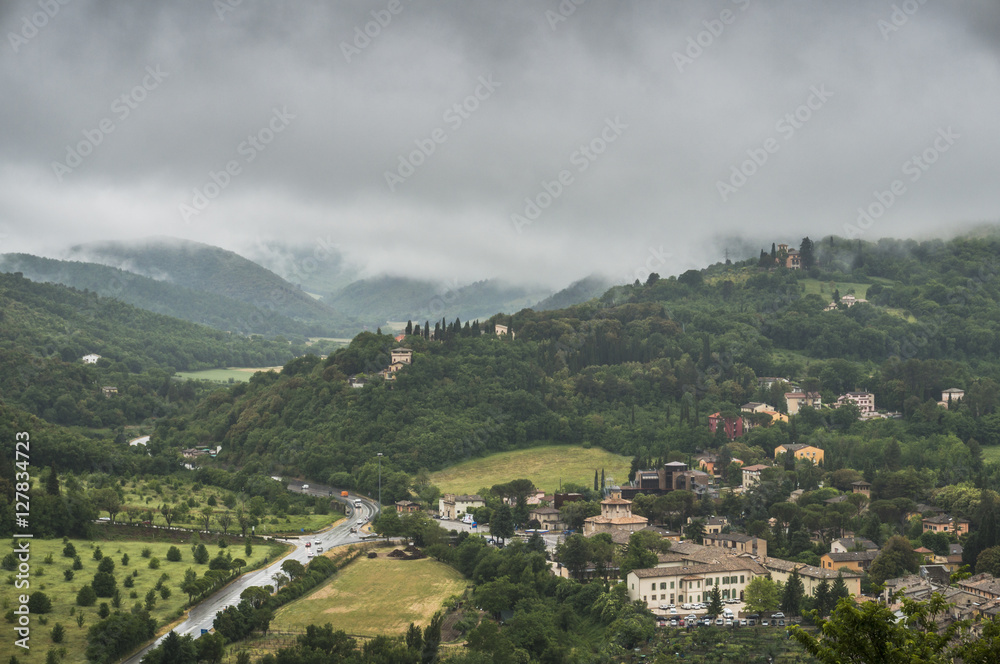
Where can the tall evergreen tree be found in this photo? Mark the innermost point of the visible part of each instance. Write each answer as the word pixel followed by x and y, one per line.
pixel 52 482
pixel 839 589
pixel 806 254
pixel 791 597
pixel 427 329
pixel 595 479
pixel 409 328
pixel 824 600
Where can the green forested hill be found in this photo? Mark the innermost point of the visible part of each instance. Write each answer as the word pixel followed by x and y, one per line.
pixel 46 329
pixel 162 297
pixel 213 270
pixel 638 371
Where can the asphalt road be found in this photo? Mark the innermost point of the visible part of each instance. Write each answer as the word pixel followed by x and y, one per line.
pixel 202 615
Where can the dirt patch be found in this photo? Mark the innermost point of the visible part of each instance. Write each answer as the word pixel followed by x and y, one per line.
pixel 448 631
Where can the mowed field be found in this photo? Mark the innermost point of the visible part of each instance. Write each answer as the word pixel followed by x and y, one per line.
pixel 236 374
pixel 545 466
pixel 375 596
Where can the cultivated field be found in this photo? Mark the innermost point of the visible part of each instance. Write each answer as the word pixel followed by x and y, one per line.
pixel 545 466
pixel 375 596
pixel 48 565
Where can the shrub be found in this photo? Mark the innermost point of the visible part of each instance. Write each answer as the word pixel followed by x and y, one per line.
pixel 9 562
pixel 146 552
pixel 128 582
pixel 58 633
pixel 133 595
pixel 48 559
pixel 165 592
pixel 150 599
pixel 69 550
pixel 103 610
pixel 77 563
pixel 68 574
pixel 154 563
pixel 124 560
pixel 104 584
pixel 86 596
pixel 39 603
pixel 98 554
pixel 201 554
pixel 173 554
pixel 106 565
pixel 80 618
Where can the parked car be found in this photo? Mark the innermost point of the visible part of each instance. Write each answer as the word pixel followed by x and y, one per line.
pixel 706 622
pixel 765 623
pixel 680 622
pixel 719 622
pixel 692 619
pixel 673 623
pixel 673 610
pixel 743 623
pixel 781 622
pixel 729 622
pixel 663 607
pixel 751 622
pixel 779 614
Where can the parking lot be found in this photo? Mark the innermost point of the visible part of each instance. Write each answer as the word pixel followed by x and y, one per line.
pixel 733 615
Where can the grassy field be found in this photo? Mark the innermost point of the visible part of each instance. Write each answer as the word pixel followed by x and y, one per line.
pixel 145 497
pixel 47 575
pixel 545 466
pixel 375 596
pixel 227 375
pixel 991 454
pixel 825 289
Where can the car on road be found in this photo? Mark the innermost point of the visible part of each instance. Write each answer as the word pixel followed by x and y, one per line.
pixel 361 522
pixel 308 544
pixel 779 614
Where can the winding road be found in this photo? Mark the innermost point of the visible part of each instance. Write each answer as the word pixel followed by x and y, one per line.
pixel 202 615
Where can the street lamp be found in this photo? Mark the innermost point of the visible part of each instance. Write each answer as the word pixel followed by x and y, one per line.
pixel 380 480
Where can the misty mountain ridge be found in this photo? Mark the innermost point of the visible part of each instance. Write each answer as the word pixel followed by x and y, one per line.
pixel 312 290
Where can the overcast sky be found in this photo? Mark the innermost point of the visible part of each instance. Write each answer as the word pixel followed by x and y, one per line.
pixel 414 147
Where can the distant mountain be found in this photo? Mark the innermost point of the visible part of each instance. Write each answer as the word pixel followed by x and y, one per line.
pixel 400 298
pixel 210 269
pixel 317 268
pixel 162 297
pixel 579 291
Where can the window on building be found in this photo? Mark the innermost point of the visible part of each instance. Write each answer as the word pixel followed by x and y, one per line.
pixel 671 585
pixel 663 585
pixel 741 578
